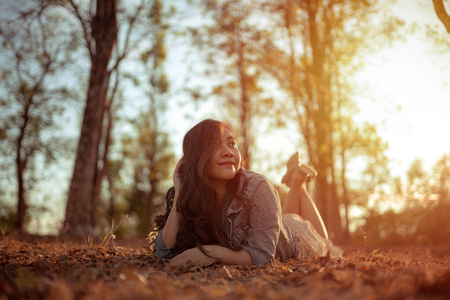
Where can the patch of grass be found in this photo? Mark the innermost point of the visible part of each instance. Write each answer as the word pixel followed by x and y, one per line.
pixel 107 238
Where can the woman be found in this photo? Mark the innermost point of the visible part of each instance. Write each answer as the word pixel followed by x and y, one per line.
pixel 219 212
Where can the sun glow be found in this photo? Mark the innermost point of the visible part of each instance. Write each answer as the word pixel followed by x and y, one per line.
pixel 409 100
pixel 403 89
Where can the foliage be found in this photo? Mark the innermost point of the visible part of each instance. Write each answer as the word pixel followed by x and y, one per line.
pixel 423 219
pixel 413 226
pixel 7 218
pixel 147 159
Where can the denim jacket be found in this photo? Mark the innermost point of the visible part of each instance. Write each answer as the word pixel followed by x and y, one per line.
pixel 253 222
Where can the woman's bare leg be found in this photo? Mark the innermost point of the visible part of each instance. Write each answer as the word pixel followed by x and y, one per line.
pixel 300 202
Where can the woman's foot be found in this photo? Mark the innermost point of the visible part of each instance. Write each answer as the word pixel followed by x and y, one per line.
pixel 292 164
pixel 303 173
pixel 308 171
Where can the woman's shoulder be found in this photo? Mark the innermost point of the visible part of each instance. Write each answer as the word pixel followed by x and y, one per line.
pixel 253 176
pixel 255 180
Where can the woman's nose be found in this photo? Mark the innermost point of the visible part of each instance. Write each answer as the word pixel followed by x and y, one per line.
pixel 227 152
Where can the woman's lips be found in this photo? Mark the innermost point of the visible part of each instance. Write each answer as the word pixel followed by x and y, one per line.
pixel 226 163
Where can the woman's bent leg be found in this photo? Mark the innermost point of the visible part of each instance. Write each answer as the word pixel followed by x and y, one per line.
pixel 300 202
pixel 309 211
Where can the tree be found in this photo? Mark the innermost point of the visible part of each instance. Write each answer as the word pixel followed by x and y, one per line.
pixel 442 14
pixel 146 154
pixel 150 160
pixel 441 174
pixel 101 36
pixel 135 20
pixel 355 141
pixel 35 52
pixel 311 55
pixel 422 219
pixel 229 43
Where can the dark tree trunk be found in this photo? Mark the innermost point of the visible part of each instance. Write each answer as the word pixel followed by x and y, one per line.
pixel 103 168
pixel 21 164
pixel 112 208
pixel 78 221
pixel 21 203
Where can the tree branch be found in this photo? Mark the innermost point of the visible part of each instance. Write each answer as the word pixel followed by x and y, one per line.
pixel 442 14
pixel 85 25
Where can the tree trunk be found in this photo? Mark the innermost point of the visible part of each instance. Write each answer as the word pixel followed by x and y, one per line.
pixel 345 196
pixel 21 203
pixel 111 208
pixel 21 164
pixel 101 170
pixel 327 201
pixel 245 113
pixel 78 220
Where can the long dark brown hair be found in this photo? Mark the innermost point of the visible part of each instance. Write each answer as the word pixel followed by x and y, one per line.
pixel 197 200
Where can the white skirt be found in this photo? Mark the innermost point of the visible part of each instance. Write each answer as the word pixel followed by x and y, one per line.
pixel 307 242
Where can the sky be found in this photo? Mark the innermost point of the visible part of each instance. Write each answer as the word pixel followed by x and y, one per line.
pixel 411 82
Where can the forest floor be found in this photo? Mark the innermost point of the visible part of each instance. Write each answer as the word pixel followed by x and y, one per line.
pixel 45 268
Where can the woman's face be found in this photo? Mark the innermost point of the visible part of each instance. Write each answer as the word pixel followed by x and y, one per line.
pixel 226 159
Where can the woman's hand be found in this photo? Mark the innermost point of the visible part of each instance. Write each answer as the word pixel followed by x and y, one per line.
pixel 297 179
pixel 192 257
pixel 169 234
pixel 176 176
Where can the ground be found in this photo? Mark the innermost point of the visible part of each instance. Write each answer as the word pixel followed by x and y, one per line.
pixel 46 268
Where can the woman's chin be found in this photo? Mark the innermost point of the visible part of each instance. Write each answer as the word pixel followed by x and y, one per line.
pixel 228 175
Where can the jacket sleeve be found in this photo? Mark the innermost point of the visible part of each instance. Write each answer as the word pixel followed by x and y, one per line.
pixel 264 223
pixel 160 248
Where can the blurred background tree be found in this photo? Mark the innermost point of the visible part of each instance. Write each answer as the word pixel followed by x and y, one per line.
pixel 146 154
pixel 35 53
pixel 422 218
pixel 312 56
pixel 135 21
pixel 229 40
pixel 100 29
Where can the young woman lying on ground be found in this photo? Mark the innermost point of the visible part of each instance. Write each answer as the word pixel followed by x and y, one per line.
pixel 219 212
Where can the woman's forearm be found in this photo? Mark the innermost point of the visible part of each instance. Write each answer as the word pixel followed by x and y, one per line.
pixel 169 234
pixel 196 257
pixel 227 256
